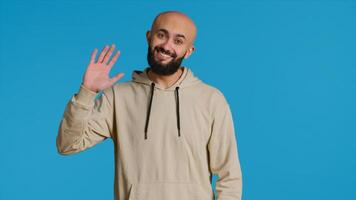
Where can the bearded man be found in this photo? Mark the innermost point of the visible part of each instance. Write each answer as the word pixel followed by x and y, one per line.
pixel 171 131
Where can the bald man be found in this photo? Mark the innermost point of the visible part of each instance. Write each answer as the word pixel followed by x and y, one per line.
pixel 171 131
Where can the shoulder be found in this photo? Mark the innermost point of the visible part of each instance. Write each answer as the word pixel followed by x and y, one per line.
pixel 217 102
pixel 215 94
pixel 122 87
pixel 115 89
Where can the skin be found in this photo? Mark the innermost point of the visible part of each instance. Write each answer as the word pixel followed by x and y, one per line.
pixel 173 31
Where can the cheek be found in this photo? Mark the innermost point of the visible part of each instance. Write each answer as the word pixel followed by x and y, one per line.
pixel 152 43
pixel 181 52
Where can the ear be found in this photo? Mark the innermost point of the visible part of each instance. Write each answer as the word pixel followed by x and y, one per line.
pixel 148 36
pixel 189 51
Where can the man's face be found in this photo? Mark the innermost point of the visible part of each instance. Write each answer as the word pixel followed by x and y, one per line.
pixel 169 42
pixel 157 66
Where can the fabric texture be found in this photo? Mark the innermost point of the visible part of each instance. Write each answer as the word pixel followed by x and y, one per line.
pixel 168 141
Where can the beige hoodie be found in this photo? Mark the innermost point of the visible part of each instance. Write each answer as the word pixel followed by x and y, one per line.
pixel 168 142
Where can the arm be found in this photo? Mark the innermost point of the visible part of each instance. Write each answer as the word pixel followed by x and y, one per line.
pixel 86 121
pixel 223 153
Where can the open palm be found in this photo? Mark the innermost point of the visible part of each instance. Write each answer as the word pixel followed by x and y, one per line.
pixel 96 77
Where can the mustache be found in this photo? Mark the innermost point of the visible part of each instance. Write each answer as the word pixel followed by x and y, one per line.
pixel 161 49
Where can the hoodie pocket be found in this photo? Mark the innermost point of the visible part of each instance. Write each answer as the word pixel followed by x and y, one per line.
pixel 168 191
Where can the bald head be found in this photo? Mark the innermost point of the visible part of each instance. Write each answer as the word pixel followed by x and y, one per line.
pixel 170 40
pixel 179 21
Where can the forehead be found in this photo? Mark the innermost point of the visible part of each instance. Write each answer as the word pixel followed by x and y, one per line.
pixel 175 24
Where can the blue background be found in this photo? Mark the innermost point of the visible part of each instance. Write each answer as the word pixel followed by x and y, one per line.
pixel 287 68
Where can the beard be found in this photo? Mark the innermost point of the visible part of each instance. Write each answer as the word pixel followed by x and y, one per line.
pixel 163 69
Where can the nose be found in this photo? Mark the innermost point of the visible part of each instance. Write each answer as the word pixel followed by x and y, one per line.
pixel 167 45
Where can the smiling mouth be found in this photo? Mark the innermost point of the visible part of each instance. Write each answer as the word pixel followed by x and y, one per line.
pixel 161 55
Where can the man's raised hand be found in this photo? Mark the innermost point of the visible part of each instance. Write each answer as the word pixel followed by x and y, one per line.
pixel 96 77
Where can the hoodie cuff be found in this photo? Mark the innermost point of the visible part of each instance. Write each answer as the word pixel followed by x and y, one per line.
pixel 85 96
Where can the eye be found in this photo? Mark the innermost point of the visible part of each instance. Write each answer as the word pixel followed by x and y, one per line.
pixel 160 35
pixel 178 41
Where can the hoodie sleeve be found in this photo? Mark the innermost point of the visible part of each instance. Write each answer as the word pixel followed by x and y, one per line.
pixel 86 121
pixel 223 153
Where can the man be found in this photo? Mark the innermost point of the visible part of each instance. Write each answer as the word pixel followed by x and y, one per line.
pixel 171 131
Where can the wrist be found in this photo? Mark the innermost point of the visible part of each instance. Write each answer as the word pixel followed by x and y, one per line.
pixel 89 88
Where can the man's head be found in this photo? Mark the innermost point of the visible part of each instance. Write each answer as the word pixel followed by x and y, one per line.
pixel 170 40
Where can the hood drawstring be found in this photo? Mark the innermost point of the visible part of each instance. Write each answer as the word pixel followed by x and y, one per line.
pixel 177 102
pixel 149 109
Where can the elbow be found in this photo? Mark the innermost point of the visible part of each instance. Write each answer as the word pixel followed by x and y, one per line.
pixel 62 148
pixel 63 152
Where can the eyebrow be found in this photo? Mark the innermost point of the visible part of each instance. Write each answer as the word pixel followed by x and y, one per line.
pixel 166 32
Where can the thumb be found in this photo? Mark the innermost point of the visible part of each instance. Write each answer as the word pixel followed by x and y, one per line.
pixel 116 77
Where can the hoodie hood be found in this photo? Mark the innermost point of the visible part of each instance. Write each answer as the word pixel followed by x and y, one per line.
pixel 187 79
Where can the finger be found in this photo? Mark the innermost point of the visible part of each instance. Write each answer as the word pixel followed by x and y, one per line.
pixel 93 55
pixel 103 53
pixel 116 77
pixel 107 56
pixel 113 60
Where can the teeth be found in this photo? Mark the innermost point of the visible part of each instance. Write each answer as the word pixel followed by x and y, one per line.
pixel 163 54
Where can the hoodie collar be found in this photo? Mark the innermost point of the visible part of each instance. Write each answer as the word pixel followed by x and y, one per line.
pixel 186 79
